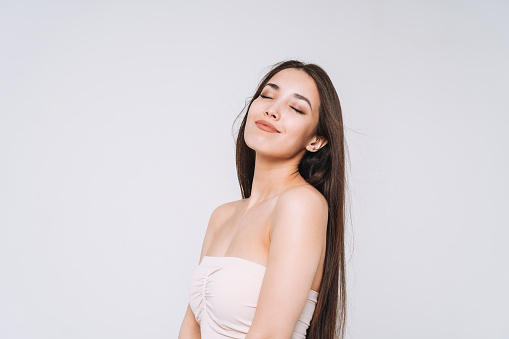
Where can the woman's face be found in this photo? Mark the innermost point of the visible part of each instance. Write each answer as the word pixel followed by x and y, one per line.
pixel 290 102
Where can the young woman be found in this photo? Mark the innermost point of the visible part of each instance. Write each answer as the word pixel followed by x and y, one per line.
pixel 272 264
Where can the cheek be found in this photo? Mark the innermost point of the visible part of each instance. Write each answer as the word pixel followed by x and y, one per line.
pixel 255 106
pixel 298 128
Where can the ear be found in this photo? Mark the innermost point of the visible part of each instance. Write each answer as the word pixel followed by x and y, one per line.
pixel 317 143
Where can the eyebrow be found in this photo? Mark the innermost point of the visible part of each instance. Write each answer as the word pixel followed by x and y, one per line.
pixel 297 95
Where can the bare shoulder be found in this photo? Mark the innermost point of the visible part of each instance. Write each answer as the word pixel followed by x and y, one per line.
pixel 217 218
pixel 221 213
pixel 302 203
pixel 306 196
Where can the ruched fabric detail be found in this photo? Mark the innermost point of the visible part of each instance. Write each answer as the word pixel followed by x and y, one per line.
pixel 223 295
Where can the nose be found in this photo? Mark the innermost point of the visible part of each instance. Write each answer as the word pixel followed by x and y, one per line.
pixel 272 112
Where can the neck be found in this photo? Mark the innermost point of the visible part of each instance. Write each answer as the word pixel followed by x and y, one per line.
pixel 272 176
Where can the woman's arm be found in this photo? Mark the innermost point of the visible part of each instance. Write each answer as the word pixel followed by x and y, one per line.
pixel 190 328
pixel 299 228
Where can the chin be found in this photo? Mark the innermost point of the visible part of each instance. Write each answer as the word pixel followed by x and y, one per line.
pixel 258 141
pixel 267 148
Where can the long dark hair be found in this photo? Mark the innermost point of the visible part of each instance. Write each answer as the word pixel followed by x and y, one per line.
pixel 325 170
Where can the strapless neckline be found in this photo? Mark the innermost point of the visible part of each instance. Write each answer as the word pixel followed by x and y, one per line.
pixel 259 267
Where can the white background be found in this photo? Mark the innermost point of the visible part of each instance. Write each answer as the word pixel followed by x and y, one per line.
pixel 116 144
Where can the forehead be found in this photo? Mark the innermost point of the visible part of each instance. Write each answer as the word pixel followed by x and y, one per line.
pixel 293 80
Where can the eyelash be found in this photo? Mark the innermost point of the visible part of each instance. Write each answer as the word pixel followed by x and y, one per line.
pixel 265 97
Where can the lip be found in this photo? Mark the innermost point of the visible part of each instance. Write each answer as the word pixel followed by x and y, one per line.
pixel 266 126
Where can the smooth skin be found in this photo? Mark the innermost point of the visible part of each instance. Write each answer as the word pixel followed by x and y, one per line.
pixel 283 224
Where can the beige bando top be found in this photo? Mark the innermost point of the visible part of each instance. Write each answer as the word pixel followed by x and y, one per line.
pixel 223 295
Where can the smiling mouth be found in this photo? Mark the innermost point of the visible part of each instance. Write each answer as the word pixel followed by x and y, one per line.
pixel 266 128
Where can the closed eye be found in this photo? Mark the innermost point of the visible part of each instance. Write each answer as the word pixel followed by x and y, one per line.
pixel 297 110
pixel 266 97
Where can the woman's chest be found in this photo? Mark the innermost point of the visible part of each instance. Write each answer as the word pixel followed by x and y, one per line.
pixel 245 235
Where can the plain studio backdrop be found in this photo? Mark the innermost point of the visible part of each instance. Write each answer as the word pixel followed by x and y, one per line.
pixel 116 145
